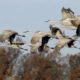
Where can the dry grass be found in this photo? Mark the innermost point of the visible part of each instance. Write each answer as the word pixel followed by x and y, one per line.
pixel 75 67
pixel 40 68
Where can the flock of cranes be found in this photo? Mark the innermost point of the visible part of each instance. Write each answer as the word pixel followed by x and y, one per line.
pixel 39 40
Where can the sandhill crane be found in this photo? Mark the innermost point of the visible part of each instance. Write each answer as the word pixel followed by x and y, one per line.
pixel 63 40
pixel 67 13
pixel 69 20
pixel 36 40
pixel 67 16
pixel 9 35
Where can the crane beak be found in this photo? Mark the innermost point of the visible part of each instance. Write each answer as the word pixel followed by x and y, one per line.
pixel 22 35
pixel 25 31
pixel 46 21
